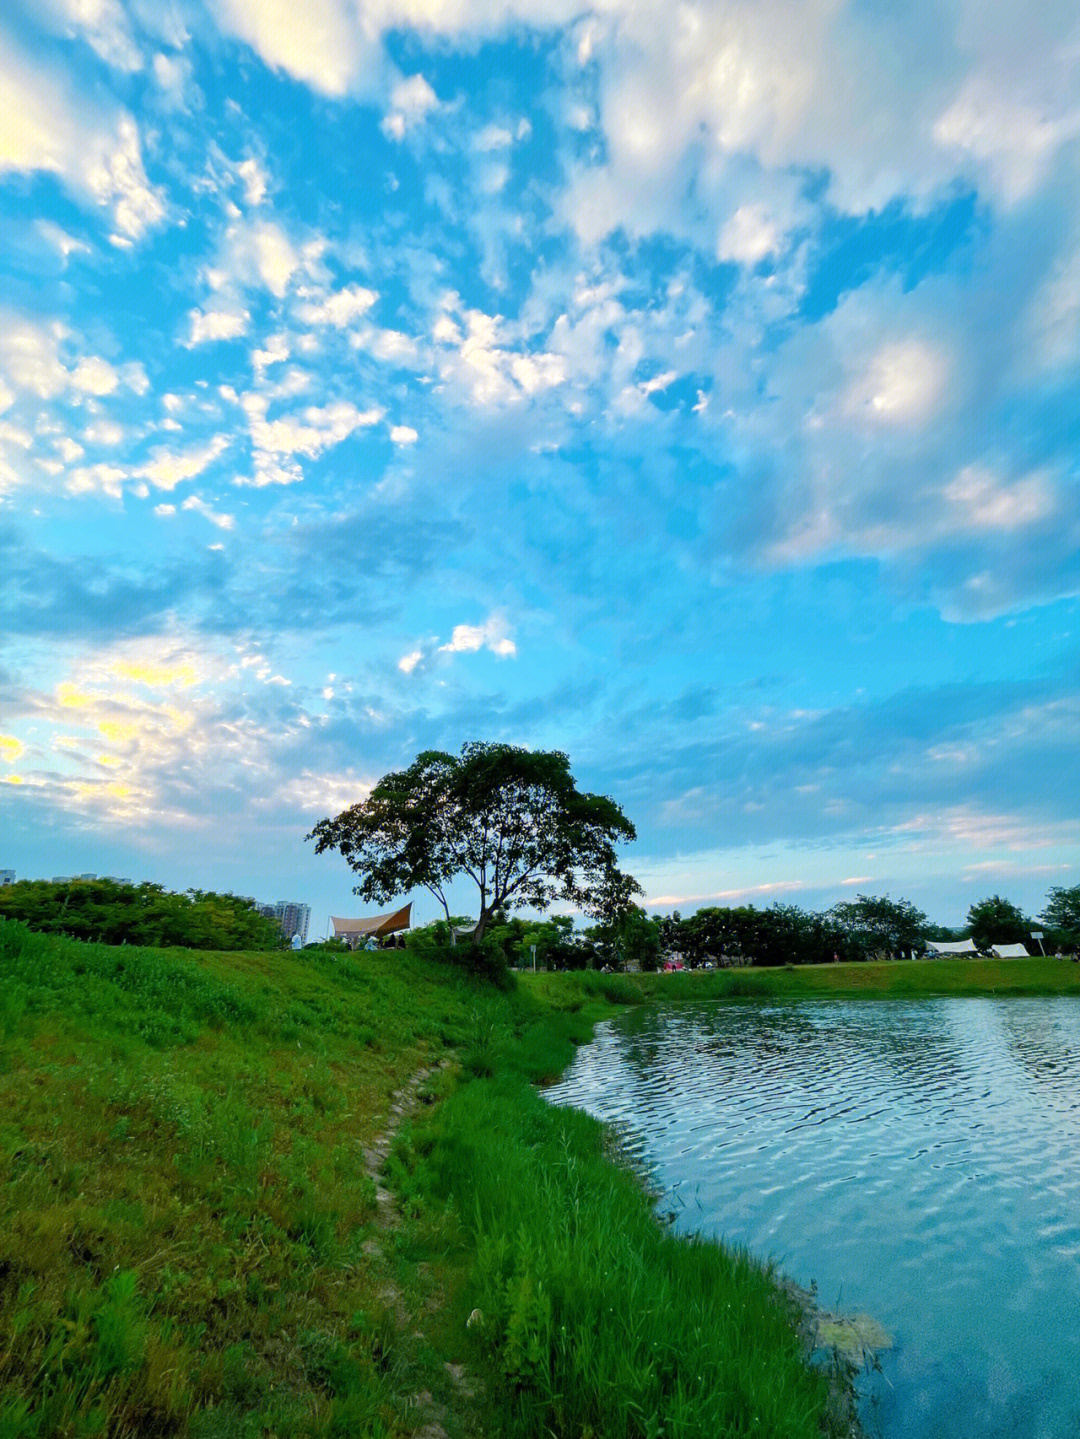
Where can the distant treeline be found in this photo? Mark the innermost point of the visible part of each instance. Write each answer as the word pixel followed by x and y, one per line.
pixel 865 928
pixel 145 914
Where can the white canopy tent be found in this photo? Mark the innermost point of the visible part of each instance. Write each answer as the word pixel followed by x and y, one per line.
pixel 942 947
pixel 1009 951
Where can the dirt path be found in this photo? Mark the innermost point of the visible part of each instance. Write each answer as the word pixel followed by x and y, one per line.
pixel 404 1103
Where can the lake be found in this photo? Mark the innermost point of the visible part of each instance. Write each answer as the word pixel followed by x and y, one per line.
pixel 918 1161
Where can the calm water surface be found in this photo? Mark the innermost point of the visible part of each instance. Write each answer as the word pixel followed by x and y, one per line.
pixel 919 1161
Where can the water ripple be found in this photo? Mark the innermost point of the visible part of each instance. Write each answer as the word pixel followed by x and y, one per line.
pixel 919 1159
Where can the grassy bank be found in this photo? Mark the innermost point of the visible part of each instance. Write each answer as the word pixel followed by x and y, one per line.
pixel 191 1243
pixel 895 979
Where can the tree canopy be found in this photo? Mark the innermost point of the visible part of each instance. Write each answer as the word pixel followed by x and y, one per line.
pixel 880 926
pixel 111 913
pixel 1062 915
pixel 997 921
pixel 512 820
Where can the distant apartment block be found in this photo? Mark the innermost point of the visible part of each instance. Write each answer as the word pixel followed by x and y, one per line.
pixel 7 876
pixel 293 918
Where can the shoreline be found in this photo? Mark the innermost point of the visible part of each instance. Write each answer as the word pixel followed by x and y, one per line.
pixel 876 979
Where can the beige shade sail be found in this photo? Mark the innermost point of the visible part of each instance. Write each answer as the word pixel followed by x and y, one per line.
pixel 375 925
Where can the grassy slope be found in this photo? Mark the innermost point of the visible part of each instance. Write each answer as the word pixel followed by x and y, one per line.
pixel 189 1240
pixel 183 1198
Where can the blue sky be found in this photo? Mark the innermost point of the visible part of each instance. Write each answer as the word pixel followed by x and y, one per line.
pixel 693 389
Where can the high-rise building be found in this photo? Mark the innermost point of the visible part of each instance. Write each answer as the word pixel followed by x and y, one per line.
pixel 7 876
pixel 294 918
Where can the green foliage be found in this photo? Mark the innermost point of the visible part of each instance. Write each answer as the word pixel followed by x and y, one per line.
pixel 510 819
pixel 159 997
pixel 184 1199
pixel 878 927
pixel 593 1318
pixel 867 927
pixel 997 921
pixel 143 914
pixel 630 940
pixel 1062 917
pixel 780 934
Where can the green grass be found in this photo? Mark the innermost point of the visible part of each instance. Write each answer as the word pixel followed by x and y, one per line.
pixel 896 979
pixel 190 1242
pixel 590 1317
pixel 183 1199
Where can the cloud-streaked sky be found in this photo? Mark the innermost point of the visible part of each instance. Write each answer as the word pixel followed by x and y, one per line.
pixel 693 388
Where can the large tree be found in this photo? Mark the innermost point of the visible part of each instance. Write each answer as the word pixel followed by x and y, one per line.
pixel 877 925
pixel 512 820
pixel 1062 915
pixel 997 921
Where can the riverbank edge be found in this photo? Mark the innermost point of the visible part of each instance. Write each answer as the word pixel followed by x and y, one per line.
pixel 192 1233
pixel 557 1222
pixel 878 979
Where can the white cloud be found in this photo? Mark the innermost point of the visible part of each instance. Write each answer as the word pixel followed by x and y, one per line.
pixel 173 76
pixel 309 433
pixel 30 355
pixel 216 517
pixel 116 177
pixel 274 352
pixel 483 362
pixel 749 237
pixel 101 478
pixel 903 383
pixel 254 254
pixel 320 42
pixel 982 502
pixel 209 325
pixel 255 181
pixel 169 720
pixel 104 432
pixel 101 23
pixel 1012 141
pixel 94 376
pixel 403 435
pixel 412 100
pixel 66 244
pixel 493 137
pixel 166 469
pixel 1053 319
pixel 492 635
pixel 94 151
pixel 70 450
pixel 262 251
pixel 338 309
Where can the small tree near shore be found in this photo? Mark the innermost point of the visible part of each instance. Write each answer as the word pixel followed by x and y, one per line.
pixel 512 820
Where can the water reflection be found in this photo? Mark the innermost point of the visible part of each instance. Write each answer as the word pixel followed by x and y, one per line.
pixel 918 1161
